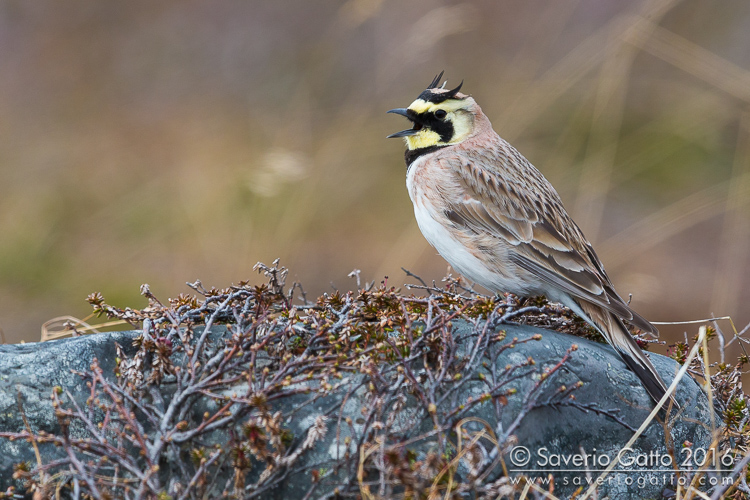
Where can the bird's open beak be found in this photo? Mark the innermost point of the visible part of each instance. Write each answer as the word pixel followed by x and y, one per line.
pixel 404 133
pixel 399 111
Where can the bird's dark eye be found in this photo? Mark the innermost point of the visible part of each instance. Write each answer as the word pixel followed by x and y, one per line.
pixel 440 113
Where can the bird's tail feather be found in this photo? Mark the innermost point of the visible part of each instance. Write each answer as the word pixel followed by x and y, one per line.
pixel 618 336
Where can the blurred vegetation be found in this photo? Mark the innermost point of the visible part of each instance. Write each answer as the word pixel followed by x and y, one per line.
pixel 145 142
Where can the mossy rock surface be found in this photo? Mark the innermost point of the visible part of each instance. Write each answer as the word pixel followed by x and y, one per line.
pixel 560 417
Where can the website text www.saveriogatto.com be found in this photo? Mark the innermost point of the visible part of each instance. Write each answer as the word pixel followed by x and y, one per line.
pixel 655 467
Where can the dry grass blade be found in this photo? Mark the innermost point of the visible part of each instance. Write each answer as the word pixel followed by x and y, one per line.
pixel 32 438
pixel 736 474
pixel 525 491
pixel 63 326
pixel 654 412
pixel 570 69
pixel 695 321
pixel 449 468
pixel 699 493
pixel 665 223
pixel 692 58
pixel 707 385
pixel 364 454
pixel 69 326
pixel 462 450
pixel 603 141
pixel 545 494
pixel 735 234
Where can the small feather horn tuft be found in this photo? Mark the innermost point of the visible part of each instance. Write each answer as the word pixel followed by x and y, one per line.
pixel 452 93
pixel 435 81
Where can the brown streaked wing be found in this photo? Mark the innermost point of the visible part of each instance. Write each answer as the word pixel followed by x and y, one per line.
pixel 473 214
pixel 548 243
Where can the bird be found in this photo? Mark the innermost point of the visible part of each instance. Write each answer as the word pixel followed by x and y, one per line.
pixel 500 223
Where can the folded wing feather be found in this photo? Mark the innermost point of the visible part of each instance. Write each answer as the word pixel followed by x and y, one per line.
pixel 546 241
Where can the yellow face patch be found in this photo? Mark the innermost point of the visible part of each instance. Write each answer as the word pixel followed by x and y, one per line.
pixel 457 113
pixel 425 138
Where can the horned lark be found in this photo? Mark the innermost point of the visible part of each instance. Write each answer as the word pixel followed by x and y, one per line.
pixel 495 218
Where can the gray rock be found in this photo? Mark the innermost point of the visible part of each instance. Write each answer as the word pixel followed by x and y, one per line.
pixel 599 421
pixel 29 373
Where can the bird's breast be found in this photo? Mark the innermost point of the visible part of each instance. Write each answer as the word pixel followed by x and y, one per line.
pixel 483 262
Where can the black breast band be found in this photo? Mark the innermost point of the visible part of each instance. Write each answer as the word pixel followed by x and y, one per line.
pixel 412 154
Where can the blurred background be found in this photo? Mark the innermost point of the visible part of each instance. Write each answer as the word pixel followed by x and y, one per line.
pixel 160 142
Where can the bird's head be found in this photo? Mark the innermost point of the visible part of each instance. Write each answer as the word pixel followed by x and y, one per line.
pixel 440 117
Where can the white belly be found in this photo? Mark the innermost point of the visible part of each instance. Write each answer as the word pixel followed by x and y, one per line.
pixel 451 250
pixel 497 274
